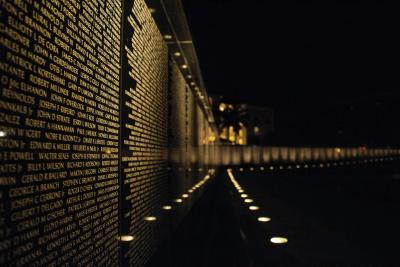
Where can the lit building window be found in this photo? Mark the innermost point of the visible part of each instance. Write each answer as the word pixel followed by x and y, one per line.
pixel 242 135
pixel 222 107
pixel 256 130
pixel 211 135
pixel 224 133
pixel 232 135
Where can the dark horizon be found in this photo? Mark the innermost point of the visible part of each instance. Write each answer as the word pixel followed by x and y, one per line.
pixel 328 70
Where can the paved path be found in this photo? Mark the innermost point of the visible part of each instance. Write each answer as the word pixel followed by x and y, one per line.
pixel 332 217
pixel 345 217
pixel 208 236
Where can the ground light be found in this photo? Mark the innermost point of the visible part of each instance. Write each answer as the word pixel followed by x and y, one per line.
pixel 263 219
pixel 254 208
pixel 167 207
pixel 150 218
pixel 279 240
pixel 125 238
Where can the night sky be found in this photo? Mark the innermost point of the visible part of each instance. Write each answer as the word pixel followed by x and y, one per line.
pixel 330 71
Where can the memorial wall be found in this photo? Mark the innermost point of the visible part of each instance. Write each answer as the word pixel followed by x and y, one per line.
pixel 178 131
pixel 85 130
pixel 186 152
pixel 144 129
pixel 59 112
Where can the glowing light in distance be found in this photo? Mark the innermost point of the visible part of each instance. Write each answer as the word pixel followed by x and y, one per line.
pixel 184 66
pixel 254 208
pixel 271 168
pixel 189 76
pixel 244 195
pixel 263 219
pixel 2 134
pixel 279 240
pixel 167 37
pixel 177 54
pixel 167 207
pixel 248 200
pixel 185 195
pixel 178 200
pixel 125 238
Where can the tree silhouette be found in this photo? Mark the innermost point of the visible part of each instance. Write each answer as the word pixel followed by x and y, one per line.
pixel 231 116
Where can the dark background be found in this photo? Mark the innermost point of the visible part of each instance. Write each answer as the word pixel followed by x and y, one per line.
pixel 330 70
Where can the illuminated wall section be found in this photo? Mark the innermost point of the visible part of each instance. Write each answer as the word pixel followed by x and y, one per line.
pixel 201 138
pixel 177 131
pixel 144 139
pixel 188 142
pixel 59 112
pixel 90 110
pixel 191 135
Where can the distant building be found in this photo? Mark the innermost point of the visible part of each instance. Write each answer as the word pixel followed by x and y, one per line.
pixel 260 123
pixel 242 124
